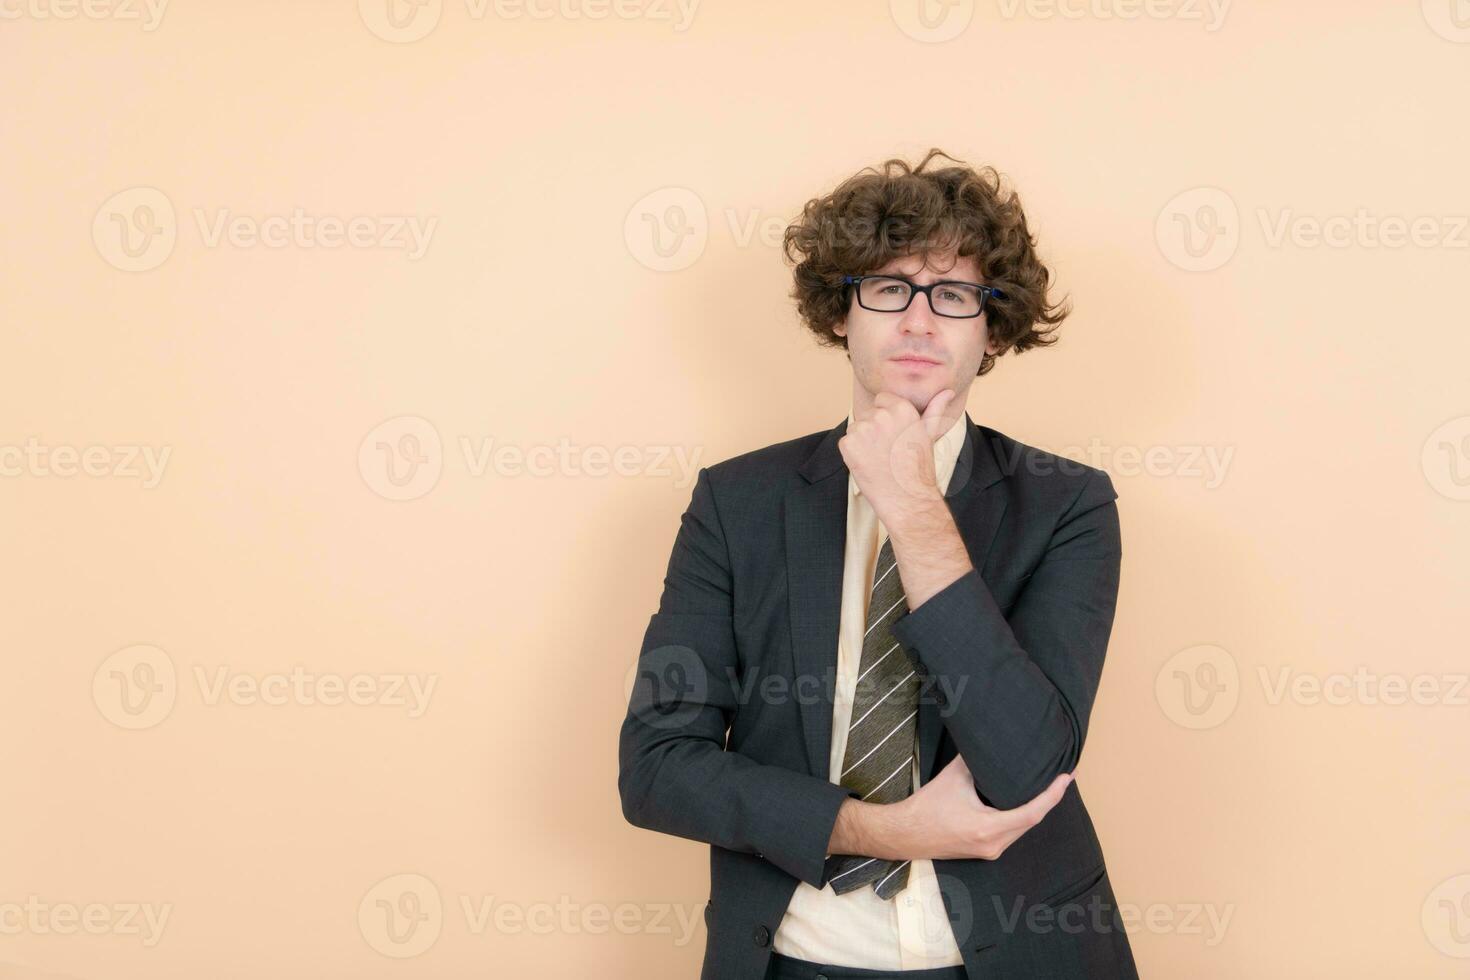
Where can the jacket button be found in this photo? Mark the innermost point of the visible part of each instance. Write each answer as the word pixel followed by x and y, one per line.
pixel 762 936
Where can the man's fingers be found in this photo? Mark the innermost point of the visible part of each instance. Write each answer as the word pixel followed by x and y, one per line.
pixel 886 401
pixel 934 411
pixel 937 416
pixel 885 398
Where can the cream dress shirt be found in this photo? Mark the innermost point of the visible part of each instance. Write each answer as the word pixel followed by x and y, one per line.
pixel 911 931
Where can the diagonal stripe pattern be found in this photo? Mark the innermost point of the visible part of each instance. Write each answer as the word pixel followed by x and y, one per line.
pixel 878 759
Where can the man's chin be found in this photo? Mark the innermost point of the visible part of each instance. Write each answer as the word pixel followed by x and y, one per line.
pixel 921 391
pixel 918 392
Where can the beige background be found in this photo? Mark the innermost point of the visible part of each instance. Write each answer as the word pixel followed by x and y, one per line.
pixel 1302 406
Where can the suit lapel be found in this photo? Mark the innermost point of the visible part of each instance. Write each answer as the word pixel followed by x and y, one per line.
pixel 816 536
pixel 816 539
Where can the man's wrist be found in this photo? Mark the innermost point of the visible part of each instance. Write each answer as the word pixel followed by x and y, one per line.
pixel 915 514
pixel 918 516
pixel 876 830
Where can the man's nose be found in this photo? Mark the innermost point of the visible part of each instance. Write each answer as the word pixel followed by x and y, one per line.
pixel 919 317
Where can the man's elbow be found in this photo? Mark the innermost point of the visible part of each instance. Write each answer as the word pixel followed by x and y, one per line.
pixel 633 790
pixel 1015 785
pixel 638 785
pixel 633 810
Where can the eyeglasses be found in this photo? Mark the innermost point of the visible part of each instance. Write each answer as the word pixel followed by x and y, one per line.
pixel 888 294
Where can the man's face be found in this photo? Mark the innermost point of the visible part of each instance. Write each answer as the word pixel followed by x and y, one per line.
pixel 881 345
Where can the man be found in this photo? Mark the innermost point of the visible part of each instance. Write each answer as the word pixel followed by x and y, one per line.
pixel 872 667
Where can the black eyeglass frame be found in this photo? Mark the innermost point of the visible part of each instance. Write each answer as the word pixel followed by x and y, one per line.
pixel 915 289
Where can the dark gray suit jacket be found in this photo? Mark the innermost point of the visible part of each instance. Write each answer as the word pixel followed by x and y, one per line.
pixel 729 727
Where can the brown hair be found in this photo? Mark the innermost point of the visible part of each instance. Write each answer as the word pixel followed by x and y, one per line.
pixel 874 217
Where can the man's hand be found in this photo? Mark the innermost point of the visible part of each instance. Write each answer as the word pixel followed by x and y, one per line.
pixel 944 818
pixel 891 453
pixel 891 456
pixel 955 823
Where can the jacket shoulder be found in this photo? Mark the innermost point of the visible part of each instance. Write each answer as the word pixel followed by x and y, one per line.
pixel 769 466
pixel 1036 472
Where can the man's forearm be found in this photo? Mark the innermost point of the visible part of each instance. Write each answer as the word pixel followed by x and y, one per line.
pixel 928 549
pixel 872 829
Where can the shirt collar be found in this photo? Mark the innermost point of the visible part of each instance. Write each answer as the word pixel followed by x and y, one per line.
pixel 946 452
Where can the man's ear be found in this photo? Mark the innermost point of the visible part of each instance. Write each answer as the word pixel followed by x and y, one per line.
pixel 840 329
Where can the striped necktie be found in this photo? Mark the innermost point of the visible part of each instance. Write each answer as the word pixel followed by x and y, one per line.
pixel 879 756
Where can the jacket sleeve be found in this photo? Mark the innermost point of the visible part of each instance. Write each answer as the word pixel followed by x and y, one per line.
pixel 675 775
pixel 1015 695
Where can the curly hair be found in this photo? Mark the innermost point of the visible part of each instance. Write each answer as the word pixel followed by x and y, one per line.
pixel 875 217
